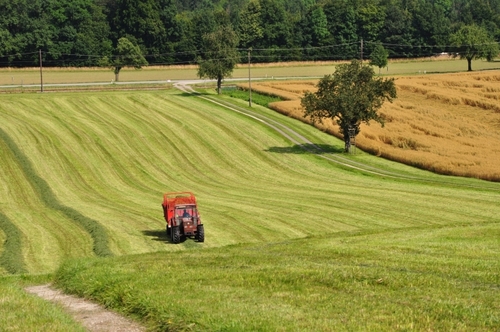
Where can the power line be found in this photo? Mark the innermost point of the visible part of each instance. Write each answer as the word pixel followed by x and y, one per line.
pixel 423 50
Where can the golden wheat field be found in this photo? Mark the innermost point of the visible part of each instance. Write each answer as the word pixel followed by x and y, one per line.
pixel 446 123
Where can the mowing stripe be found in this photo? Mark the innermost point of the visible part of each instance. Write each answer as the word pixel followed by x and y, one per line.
pixel 12 259
pixel 310 147
pixel 93 227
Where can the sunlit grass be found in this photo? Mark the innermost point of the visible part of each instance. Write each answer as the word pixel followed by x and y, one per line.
pixel 110 156
pixel 293 241
pixel 20 311
pixel 438 278
pixel 257 98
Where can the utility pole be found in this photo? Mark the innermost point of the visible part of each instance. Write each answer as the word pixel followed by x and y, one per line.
pixel 41 72
pixel 249 80
pixel 361 50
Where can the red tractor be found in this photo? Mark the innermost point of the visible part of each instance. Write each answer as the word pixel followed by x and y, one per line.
pixel 182 217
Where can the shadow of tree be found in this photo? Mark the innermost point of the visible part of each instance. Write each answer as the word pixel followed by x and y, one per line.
pixel 306 148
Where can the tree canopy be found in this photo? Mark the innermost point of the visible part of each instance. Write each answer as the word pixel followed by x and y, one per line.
pixel 79 32
pixel 379 57
pixel 350 96
pixel 126 55
pixel 219 54
pixel 473 42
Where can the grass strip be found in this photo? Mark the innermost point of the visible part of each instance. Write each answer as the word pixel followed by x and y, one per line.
pixel 11 259
pixel 93 227
pixel 20 311
pixel 257 98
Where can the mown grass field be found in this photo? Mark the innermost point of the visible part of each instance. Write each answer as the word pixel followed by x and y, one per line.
pixel 417 279
pixel 294 240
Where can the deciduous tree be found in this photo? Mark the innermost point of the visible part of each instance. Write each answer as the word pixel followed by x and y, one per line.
pixel 473 42
pixel 276 27
pixel 379 57
pixel 250 28
pixel 141 19
pixel 219 54
pixel 126 55
pixel 351 96
pixel 341 18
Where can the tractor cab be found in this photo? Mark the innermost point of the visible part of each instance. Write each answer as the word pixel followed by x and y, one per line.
pixel 186 217
pixel 185 211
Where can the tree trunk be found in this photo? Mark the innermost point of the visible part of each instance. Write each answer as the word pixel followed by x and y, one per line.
pixel 347 141
pixel 469 64
pixel 117 73
pixel 219 83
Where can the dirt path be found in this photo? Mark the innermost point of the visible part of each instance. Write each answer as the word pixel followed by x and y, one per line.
pixel 92 316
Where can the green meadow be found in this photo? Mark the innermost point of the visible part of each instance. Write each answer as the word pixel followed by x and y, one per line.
pixel 299 236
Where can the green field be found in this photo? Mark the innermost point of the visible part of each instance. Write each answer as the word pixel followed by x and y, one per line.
pixel 296 238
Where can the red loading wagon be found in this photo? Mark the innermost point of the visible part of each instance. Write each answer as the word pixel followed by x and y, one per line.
pixel 182 216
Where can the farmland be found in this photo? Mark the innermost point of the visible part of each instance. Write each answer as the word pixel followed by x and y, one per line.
pixel 447 123
pixel 295 238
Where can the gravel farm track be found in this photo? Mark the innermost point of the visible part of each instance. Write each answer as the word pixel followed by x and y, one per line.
pixel 92 316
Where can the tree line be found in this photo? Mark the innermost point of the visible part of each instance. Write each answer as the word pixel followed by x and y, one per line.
pixel 167 32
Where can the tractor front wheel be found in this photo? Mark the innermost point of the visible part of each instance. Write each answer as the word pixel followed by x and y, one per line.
pixel 176 234
pixel 200 233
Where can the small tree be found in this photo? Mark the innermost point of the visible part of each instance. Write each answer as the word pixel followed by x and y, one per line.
pixel 250 28
pixel 219 54
pixel 350 96
pixel 126 55
pixel 379 57
pixel 474 43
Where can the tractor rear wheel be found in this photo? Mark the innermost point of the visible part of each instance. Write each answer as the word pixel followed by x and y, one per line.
pixel 200 233
pixel 176 234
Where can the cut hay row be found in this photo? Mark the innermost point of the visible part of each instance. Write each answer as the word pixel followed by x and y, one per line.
pixel 110 156
pixel 43 191
pixel 11 259
pixel 445 123
pixel 45 236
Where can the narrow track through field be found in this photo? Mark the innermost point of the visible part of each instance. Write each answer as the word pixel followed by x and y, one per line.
pixel 312 148
pixel 92 316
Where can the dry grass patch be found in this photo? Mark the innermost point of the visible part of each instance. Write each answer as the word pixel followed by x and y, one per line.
pixel 446 123
pixel 288 90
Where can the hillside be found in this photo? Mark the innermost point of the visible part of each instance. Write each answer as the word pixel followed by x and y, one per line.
pixel 83 174
pixel 288 218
